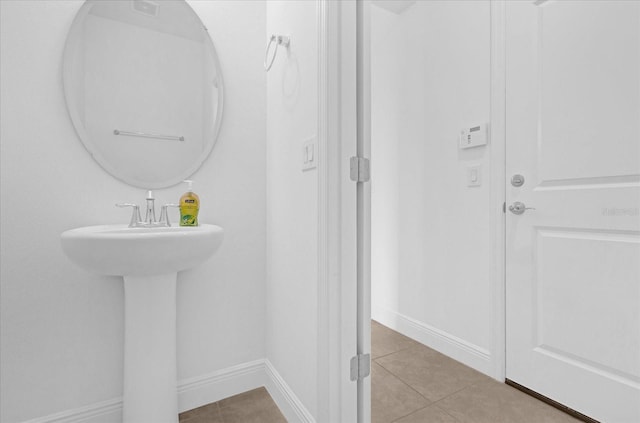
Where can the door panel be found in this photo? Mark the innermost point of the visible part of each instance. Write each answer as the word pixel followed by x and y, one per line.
pixel 567 319
pixel 586 72
pixel 573 261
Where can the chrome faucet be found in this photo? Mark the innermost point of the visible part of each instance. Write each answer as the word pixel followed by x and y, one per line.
pixel 150 215
pixel 135 215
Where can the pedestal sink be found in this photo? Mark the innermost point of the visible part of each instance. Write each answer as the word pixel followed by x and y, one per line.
pixel 149 260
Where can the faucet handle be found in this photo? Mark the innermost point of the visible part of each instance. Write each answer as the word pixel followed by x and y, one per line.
pixel 135 213
pixel 164 213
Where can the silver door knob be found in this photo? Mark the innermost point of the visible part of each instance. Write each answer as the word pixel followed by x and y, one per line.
pixel 519 208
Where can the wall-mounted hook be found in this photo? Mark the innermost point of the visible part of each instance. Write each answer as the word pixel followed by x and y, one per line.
pixel 280 40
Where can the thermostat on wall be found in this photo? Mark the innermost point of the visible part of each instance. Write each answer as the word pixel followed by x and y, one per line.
pixel 475 136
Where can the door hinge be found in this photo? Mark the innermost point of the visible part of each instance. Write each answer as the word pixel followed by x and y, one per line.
pixel 360 169
pixel 360 366
pixel 504 207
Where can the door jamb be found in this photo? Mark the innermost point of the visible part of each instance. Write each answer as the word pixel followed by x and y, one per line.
pixel 336 394
pixel 498 185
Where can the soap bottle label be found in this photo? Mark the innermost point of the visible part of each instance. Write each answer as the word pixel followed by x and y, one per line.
pixel 189 212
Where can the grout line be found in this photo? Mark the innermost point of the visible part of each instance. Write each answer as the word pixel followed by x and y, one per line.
pixel 413 412
pixel 416 344
pixel 405 383
pixel 430 400
pixel 453 393
pixel 432 405
pixel 393 352
pixel 446 411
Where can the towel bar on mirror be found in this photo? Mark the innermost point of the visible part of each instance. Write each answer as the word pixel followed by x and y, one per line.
pixel 148 135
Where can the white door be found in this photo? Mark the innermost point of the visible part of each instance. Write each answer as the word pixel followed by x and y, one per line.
pixel 573 259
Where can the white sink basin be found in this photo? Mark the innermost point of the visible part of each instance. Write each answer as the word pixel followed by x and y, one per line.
pixel 149 260
pixel 123 251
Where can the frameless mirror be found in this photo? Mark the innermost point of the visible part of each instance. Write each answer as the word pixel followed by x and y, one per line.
pixel 143 87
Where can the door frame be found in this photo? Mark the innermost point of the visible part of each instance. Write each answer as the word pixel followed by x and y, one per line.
pixel 337 134
pixel 498 181
pixel 337 231
pixel 363 203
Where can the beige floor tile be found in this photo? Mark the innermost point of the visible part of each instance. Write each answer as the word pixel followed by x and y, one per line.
pixel 209 413
pixel 494 402
pixel 390 398
pixel 385 341
pixel 245 398
pixel 432 374
pixel 429 414
pixel 254 406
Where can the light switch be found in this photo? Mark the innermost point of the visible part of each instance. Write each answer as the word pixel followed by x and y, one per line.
pixel 474 175
pixel 309 156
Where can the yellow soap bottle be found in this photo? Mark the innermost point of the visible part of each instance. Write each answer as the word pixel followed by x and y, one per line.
pixel 189 206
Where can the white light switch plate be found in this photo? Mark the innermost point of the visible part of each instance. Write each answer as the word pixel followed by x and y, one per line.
pixel 474 175
pixel 309 154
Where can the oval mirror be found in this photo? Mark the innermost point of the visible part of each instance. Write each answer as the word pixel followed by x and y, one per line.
pixel 143 87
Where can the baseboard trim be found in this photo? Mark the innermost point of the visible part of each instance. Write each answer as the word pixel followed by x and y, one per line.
pixel 99 412
pixel 459 349
pixel 288 402
pixel 205 389
pixel 192 392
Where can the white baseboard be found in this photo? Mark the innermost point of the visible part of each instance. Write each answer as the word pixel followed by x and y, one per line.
pixel 101 412
pixel 205 389
pixel 197 391
pixel 193 392
pixel 285 398
pixel 463 351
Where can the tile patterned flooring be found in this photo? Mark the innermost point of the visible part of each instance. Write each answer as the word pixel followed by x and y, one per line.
pixel 411 383
pixel 254 406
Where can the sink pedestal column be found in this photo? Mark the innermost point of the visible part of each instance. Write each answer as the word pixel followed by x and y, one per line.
pixel 150 369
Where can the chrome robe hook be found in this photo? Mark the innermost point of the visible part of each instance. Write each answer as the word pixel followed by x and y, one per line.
pixel 280 40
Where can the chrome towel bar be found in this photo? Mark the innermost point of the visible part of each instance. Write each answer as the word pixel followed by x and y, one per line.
pixel 148 135
pixel 280 40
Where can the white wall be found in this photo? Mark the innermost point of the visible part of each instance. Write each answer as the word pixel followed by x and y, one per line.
pixel 386 36
pixel 292 217
pixel 433 79
pixel 62 328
